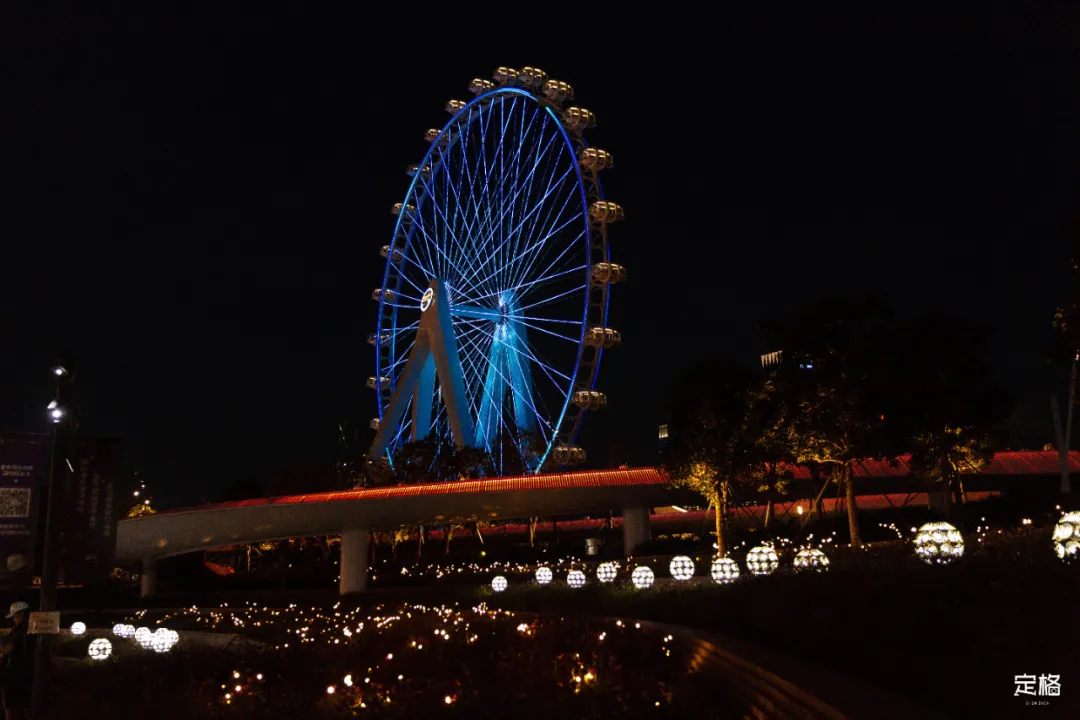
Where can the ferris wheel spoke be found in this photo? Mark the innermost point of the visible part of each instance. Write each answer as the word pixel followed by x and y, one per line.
pixel 488 239
pixel 553 299
pixel 553 334
pixel 451 264
pixel 431 268
pixel 553 225
pixel 496 271
pixel 549 218
pixel 536 360
pixel 529 180
pixel 546 273
pixel 540 242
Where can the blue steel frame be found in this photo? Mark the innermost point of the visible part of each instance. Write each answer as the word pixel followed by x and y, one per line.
pixel 452 134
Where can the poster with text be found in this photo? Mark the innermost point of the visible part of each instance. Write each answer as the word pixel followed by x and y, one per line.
pixel 24 473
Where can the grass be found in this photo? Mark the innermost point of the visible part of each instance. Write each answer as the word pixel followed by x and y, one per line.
pixel 951 637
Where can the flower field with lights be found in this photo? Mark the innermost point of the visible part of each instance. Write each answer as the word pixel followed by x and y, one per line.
pixel 402 660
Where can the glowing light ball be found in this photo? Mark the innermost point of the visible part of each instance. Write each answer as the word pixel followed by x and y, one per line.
pixel 1067 536
pixel 724 570
pixel 78 628
pixel 543 575
pixel 143 636
pixel 938 543
pixel 762 560
pixel 163 640
pixel 499 583
pixel 99 649
pixel 123 630
pixel 642 577
pixel 681 567
pixel 575 578
pixel 606 572
pixel 811 559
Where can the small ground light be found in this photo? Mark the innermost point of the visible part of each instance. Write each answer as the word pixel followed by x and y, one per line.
pixel 681 567
pixel 938 543
pixel 499 583
pixel 575 578
pixel 100 649
pixel 606 572
pixel 811 559
pixel 330 689
pixel 543 575
pixel 724 570
pixel 78 628
pixel 762 560
pixel 642 577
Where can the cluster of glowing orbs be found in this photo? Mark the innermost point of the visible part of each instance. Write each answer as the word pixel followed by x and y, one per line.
pixel 938 543
pixel 498 584
pixel 123 630
pixel 78 628
pixel 606 572
pixel 642 577
pixel 99 649
pixel 681 567
pixel 1067 536
pixel 575 579
pixel 543 575
pixel 724 570
pixel 811 559
pixel 762 560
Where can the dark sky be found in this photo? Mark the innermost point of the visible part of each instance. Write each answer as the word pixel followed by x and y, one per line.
pixel 194 205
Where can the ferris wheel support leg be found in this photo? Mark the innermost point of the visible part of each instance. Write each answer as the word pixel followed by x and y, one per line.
pixel 520 377
pixel 491 400
pixel 422 400
pixel 448 365
pixel 435 346
pixel 395 411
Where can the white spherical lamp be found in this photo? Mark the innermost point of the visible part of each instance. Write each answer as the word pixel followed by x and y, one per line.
pixel 762 560
pixel 78 628
pixel 642 577
pixel 543 575
pixel 575 578
pixel 681 567
pixel 143 636
pixel 938 543
pixel 499 583
pixel 1067 536
pixel 811 559
pixel 99 649
pixel 724 570
pixel 606 572
pixel 162 640
pixel 123 630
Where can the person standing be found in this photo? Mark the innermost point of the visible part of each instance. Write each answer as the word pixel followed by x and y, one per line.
pixel 17 677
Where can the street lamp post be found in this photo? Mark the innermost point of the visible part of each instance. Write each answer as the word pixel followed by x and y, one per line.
pixel 62 417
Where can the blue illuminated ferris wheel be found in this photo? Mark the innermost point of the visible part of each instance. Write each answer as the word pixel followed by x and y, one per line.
pixel 494 303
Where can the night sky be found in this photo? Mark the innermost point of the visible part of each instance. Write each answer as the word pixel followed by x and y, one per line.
pixel 194 205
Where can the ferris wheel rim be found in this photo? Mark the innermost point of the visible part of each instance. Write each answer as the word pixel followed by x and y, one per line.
pixel 593 238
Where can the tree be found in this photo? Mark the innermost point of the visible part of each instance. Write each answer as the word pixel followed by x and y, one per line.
pixel 710 445
pixel 946 403
pixel 829 387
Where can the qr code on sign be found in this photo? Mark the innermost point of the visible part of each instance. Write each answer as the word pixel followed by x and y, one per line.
pixel 14 502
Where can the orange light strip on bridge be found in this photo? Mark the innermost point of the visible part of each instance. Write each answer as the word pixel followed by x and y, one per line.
pixel 1004 463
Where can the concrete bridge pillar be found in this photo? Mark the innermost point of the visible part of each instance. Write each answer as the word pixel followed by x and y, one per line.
pixel 635 528
pixel 354 562
pixel 148 579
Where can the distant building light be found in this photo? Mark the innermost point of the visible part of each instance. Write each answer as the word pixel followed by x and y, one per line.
pixel 663 432
pixel 770 359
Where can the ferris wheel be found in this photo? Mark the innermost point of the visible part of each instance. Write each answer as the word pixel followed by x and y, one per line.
pixel 494 302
